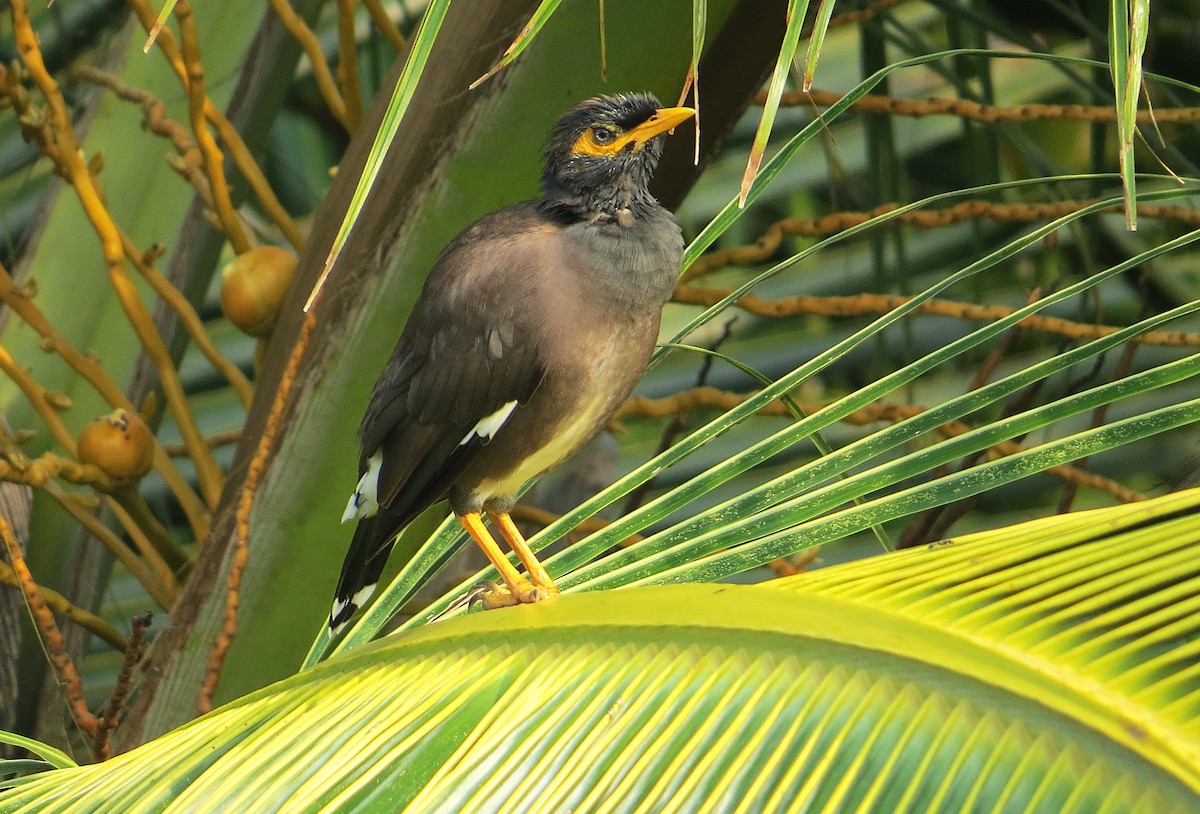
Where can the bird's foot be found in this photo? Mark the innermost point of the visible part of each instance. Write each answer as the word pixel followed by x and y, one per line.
pixel 496 595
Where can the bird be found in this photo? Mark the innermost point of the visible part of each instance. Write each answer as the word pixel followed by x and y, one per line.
pixel 533 325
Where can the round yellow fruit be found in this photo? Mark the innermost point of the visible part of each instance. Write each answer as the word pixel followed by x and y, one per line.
pixel 120 444
pixel 253 286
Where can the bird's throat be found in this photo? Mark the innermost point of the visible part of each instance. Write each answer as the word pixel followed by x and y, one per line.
pixel 621 205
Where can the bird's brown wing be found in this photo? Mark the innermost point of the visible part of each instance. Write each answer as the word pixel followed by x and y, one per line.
pixel 465 357
pixel 430 414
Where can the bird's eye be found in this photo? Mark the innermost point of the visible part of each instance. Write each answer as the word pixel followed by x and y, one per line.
pixel 602 135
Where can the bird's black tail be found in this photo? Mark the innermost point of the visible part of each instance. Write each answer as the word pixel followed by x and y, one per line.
pixel 373 541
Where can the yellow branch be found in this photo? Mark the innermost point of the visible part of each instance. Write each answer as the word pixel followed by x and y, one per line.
pixel 384 23
pixel 254 177
pixel 191 321
pixel 146 574
pixel 155 573
pixel 75 169
pixel 348 65
pixel 98 378
pixel 214 161
pixel 230 137
pixel 43 403
pixel 312 48
pixel 154 111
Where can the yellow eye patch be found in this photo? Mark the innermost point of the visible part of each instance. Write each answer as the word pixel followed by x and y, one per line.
pixel 587 144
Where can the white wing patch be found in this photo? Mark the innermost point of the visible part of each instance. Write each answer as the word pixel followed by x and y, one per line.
pixel 354 603
pixel 488 426
pixel 365 500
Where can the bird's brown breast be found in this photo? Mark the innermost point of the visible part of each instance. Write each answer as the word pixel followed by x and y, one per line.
pixel 587 377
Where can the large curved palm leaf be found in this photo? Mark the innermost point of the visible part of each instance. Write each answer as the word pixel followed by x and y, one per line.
pixel 1044 667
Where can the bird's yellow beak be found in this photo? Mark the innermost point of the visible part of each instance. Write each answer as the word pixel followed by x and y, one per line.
pixel 664 119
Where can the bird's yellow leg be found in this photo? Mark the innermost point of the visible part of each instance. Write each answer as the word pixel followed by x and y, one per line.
pixel 511 534
pixel 520 588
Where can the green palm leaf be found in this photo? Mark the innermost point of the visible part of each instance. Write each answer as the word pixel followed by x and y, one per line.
pixel 1042 667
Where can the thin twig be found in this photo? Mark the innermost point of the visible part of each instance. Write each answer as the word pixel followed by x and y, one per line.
pixel 882 303
pixel 220 439
pixel 154 112
pixel 241 540
pixel 191 321
pixel 160 591
pixel 58 603
pixel 44 403
pixel 256 179
pixel 34 127
pixel 110 713
pixel 768 243
pixel 987 114
pixel 64 667
pixel 188 161
pixel 154 542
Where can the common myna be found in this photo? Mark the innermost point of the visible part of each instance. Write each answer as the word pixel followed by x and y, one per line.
pixel 533 326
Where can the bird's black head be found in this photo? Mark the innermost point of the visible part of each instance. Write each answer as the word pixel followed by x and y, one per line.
pixel 602 153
